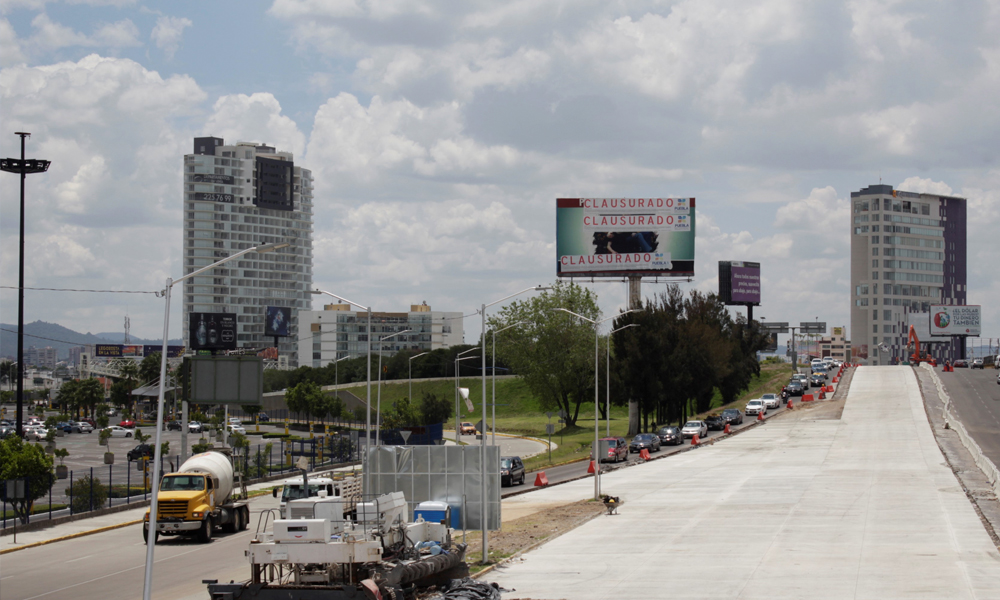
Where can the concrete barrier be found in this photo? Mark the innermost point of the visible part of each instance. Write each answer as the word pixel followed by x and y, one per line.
pixel 541 480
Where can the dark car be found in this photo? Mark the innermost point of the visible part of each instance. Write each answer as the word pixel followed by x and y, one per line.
pixel 617 449
pixel 817 380
pixel 716 422
pixel 733 416
pixel 140 451
pixel 174 426
pixel 960 364
pixel 645 441
pixel 670 435
pixel 794 388
pixel 511 470
pixel 263 418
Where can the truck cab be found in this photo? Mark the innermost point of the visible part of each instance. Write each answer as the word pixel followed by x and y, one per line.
pixel 348 488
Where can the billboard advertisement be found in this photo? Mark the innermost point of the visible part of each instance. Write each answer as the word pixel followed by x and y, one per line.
pixel 134 351
pixel 276 321
pixel 955 320
pixel 772 343
pixel 212 331
pixel 739 283
pixel 613 237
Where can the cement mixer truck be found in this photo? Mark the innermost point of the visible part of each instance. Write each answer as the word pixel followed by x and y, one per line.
pixel 199 498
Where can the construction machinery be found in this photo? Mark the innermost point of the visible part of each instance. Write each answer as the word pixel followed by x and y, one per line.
pixel 916 358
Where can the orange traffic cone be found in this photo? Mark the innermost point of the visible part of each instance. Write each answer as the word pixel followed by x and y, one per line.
pixel 591 468
pixel 694 440
pixel 790 407
pixel 644 454
pixel 726 430
pixel 760 416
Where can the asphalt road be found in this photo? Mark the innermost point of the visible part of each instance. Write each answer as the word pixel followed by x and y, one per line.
pixel 975 396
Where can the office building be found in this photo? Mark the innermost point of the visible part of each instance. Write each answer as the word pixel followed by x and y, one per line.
pixel 40 357
pixel 908 251
pixel 337 331
pixel 836 346
pixel 235 197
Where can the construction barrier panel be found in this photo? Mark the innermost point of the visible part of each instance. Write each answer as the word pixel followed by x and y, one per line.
pixel 541 480
pixel 807 398
pixel 644 454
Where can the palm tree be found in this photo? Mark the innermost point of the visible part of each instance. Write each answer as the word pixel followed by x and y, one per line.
pixel 7 372
pixel 90 393
pixel 68 396
pixel 128 371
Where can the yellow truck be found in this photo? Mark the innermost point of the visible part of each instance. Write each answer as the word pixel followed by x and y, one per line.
pixel 200 498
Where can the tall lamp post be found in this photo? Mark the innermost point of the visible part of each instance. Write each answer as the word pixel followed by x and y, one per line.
pixel 493 371
pixel 607 381
pixel 410 364
pixel 366 476
pixel 458 411
pixel 597 369
pixel 24 166
pixel 482 453
pixel 147 584
pixel 378 402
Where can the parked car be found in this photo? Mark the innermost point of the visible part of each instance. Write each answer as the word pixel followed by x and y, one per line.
pixel 235 421
pixel 617 449
pixel 977 363
pixel 468 428
pixel 647 441
pixel 817 380
pixel 960 364
pixel 733 416
pixel 715 422
pixel 795 388
pixel 195 427
pixel 118 431
pixel 263 418
pixel 511 470
pixel 82 427
pixel 237 429
pixel 694 428
pixel 127 423
pixel 670 435
pixel 6 431
pixel 771 400
pixel 174 426
pixel 140 451
pixel 64 426
pixel 34 433
pixel 755 406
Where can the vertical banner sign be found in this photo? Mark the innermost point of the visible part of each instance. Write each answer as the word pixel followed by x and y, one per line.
pixel 612 237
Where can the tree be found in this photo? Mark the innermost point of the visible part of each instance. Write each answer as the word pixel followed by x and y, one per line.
pixel 8 371
pixel 304 398
pixel 90 393
pixel 554 353
pixel 149 369
pixel 128 374
pixel 435 409
pixel 88 494
pixel 22 460
pixel 141 437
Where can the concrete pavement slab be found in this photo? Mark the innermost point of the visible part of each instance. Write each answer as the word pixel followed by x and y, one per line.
pixel 861 507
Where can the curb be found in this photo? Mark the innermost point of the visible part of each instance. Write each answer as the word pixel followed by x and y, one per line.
pixel 70 536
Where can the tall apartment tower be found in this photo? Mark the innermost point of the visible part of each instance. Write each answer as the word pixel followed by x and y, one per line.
pixel 908 251
pixel 239 196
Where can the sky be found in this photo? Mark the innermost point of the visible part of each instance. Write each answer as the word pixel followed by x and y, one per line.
pixel 440 134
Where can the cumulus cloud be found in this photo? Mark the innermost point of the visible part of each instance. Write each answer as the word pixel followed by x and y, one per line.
pixel 168 32
pixel 50 35
pixel 256 117
pixel 10 45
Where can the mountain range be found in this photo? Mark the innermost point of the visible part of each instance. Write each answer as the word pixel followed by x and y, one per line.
pixel 41 334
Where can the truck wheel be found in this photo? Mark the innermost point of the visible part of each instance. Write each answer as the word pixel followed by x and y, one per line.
pixel 145 535
pixel 246 517
pixel 205 533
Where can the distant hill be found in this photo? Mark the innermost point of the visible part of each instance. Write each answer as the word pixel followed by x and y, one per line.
pixel 41 334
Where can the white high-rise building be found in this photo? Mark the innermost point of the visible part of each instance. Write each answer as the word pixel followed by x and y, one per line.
pixel 235 197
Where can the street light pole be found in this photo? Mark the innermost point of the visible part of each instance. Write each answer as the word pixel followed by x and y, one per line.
pixel 366 476
pixel 147 584
pixel 597 369
pixel 24 167
pixel 410 363
pixel 482 454
pixel 607 381
pixel 378 402
pixel 458 427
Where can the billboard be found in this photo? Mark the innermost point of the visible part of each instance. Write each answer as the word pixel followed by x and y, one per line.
pixel 227 380
pixel 276 321
pixel 772 343
pixel 739 283
pixel 955 320
pixel 612 237
pixel 134 351
pixel 212 331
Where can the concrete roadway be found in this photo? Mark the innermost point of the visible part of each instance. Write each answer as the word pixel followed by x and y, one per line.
pixel 975 397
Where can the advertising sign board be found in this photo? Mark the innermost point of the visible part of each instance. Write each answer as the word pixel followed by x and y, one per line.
pixel 213 178
pixel 612 237
pixel 739 283
pixel 212 331
pixel 955 320
pixel 135 351
pixel 772 343
pixel 276 321
pixel 214 197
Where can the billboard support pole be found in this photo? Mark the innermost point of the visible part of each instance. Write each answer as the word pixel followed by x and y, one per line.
pixel 634 303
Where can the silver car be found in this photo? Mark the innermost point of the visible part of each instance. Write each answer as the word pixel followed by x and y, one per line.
pixel 694 428
pixel 771 400
pixel 755 406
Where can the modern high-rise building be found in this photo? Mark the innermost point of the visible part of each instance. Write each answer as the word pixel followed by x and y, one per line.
pixel 337 332
pixel 239 196
pixel 908 251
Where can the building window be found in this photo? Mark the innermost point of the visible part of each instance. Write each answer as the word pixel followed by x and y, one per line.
pixel 887 315
pixel 874 251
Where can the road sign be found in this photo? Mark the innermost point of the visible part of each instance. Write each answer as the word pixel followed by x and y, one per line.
pixel 775 327
pixel 813 327
pixel 405 433
pixel 15 489
pixel 550 428
pixel 548 414
pixel 480 426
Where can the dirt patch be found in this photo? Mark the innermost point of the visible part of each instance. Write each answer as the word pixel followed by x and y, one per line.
pixel 531 530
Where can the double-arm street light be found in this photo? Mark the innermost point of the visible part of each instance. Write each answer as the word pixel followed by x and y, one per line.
pixel 458 411
pixel 24 166
pixel 366 476
pixel 607 381
pixel 597 369
pixel 147 584
pixel 482 454
pixel 493 420
pixel 410 364
pixel 378 405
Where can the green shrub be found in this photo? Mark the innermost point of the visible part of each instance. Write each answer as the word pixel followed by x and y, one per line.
pixel 85 496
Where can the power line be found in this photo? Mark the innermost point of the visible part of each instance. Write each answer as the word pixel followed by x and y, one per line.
pixel 14 287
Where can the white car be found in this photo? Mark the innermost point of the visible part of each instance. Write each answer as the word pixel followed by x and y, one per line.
pixel 771 400
pixel 235 421
pixel 195 427
pixel 117 431
pixel 82 426
pixel 34 432
pixel 237 429
pixel 755 406
pixel 693 428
